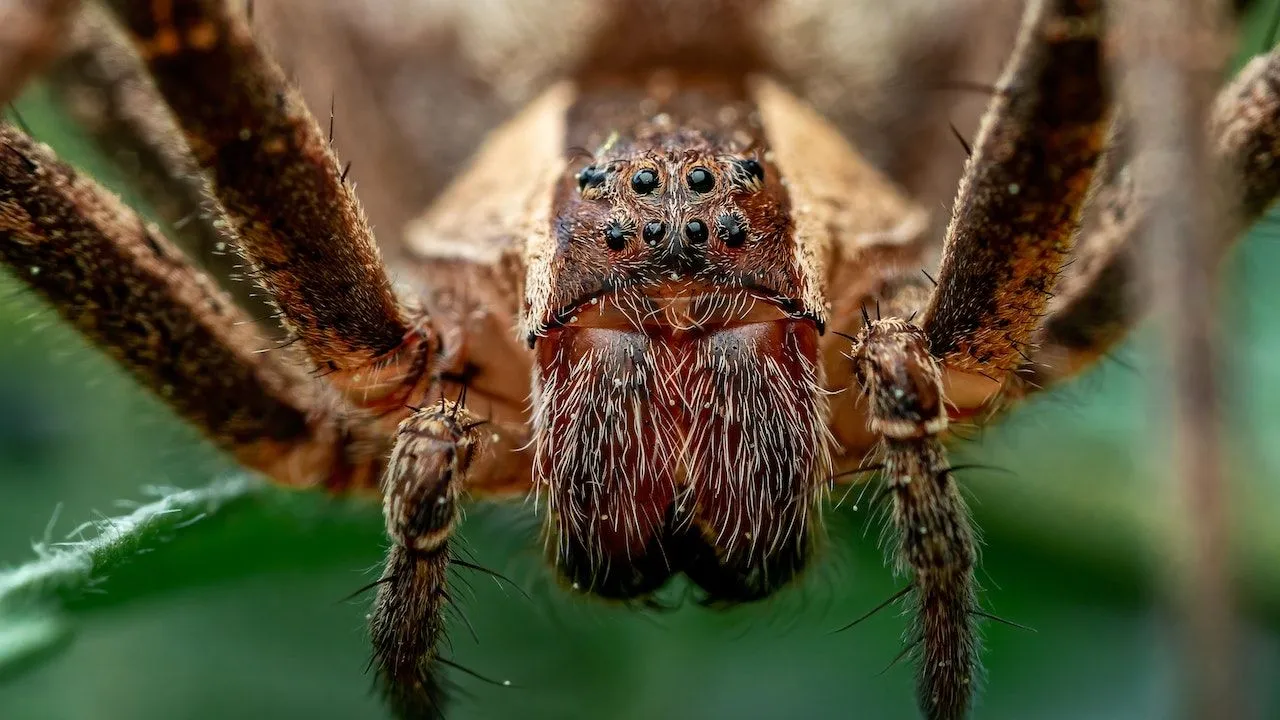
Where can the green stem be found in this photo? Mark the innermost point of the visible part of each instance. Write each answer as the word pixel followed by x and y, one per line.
pixel 33 596
pixel 67 569
pixel 232 529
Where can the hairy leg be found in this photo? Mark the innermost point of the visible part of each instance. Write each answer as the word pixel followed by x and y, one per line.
pixel 1101 303
pixel 129 290
pixel 1020 200
pixel 306 238
pixel 300 226
pixel 933 543
pixel 101 83
pixel 441 452
pixel 1013 225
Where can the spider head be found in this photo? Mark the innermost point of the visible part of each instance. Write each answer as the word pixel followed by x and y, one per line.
pixel 680 420
pixel 685 236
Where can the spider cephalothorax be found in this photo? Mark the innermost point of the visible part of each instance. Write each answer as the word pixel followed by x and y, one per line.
pixel 679 414
pixel 684 303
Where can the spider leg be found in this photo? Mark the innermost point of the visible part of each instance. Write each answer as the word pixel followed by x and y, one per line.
pixel 933 542
pixel 99 81
pixel 437 457
pixel 130 291
pixel 1102 302
pixel 300 225
pixel 1169 63
pixel 29 34
pixel 1012 228
pixel 1020 200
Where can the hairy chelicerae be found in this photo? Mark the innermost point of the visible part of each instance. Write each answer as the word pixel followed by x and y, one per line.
pixel 654 281
pixel 703 455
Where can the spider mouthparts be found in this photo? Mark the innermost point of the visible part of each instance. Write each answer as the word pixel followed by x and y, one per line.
pixel 682 452
pixel 679 307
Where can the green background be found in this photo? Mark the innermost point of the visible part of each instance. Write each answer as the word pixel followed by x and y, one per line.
pixel 243 614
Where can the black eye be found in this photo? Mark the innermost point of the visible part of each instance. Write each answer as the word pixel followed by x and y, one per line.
pixel 701 180
pixel 591 176
pixel 615 236
pixel 731 231
pixel 752 169
pixel 644 181
pixel 696 231
pixel 653 232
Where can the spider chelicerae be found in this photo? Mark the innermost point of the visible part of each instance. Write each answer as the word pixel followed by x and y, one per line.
pixel 686 305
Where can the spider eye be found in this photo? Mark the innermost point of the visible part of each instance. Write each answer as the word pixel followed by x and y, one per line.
pixel 701 180
pixel 644 181
pixel 653 232
pixel 615 236
pixel 752 169
pixel 696 231
pixel 591 177
pixel 731 231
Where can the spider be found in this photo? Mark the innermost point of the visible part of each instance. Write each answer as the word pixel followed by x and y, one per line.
pixel 668 298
